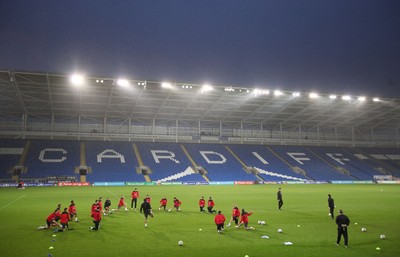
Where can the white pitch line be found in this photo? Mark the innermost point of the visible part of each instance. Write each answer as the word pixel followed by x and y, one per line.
pixel 4 206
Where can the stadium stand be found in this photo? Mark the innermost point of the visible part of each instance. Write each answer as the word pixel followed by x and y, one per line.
pixel 51 158
pixel 219 163
pixel 190 162
pixel 111 162
pixel 10 156
pixel 315 167
pixel 341 159
pixel 167 162
pixel 259 156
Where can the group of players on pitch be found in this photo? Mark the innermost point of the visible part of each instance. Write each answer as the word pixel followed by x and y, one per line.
pixel 60 219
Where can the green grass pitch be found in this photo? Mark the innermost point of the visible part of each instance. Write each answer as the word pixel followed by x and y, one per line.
pixel 375 207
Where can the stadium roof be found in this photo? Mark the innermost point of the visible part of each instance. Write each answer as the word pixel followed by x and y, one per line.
pixel 49 95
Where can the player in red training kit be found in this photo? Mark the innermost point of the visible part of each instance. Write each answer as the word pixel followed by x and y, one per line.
pixel 148 199
pixel 122 203
pixel 96 220
pixel 93 208
pixel 50 221
pixel 134 196
pixel 72 211
pixel 219 221
pixel 177 204
pixel 244 219
pixel 163 203
pixel 210 205
pixel 64 221
pixel 202 203
pixel 235 216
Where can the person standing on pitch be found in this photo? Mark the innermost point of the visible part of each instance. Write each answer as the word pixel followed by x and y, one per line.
pixel 134 196
pixel 280 199
pixel 146 209
pixel 219 221
pixel 343 222
pixel 331 205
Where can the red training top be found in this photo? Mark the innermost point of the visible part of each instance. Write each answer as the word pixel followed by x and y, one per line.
pixel 219 219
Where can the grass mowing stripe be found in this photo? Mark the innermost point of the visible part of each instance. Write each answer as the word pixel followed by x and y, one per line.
pixel 5 206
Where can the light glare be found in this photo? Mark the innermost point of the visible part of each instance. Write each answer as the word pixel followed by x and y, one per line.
pixel 122 82
pixel 77 79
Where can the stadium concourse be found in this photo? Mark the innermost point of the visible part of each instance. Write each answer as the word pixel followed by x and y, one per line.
pixel 118 163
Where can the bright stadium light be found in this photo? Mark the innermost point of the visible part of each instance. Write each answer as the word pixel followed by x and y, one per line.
pixel 346 98
pixel 278 93
pixel 376 99
pixel 332 97
pixel 77 79
pixel 362 98
pixel 123 82
pixel 206 88
pixel 166 85
pixel 258 92
pixel 313 95
pixel 296 94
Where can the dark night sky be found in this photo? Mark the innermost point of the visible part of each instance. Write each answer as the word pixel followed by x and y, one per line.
pixel 332 46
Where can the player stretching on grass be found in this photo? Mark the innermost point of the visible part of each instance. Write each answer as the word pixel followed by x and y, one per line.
pixel 122 203
pixel 202 203
pixel 244 219
pixel 163 203
pixel 210 205
pixel 72 211
pixel 235 216
pixel 50 221
pixel 96 220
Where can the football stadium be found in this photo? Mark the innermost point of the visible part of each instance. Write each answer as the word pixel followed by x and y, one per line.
pixel 67 137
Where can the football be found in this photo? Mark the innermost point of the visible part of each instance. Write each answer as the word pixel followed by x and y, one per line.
pixel 279 230
pixel 363 229
pixel 180 243
pixel 382 236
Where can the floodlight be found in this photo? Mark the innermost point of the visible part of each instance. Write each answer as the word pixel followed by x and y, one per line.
pixel 361 98
pixel 166 85
pixel 258 92
pixel 278 93
pixel 77 79
pixel 376 99
pixel 296 94
pixel 313 95
pixel 346 97
pixel 332 97
pixel 206 88
pixel 122 82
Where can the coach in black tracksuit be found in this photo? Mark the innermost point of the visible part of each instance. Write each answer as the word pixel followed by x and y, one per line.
pixel 279 198
pixel 343 222
pixel 331 204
